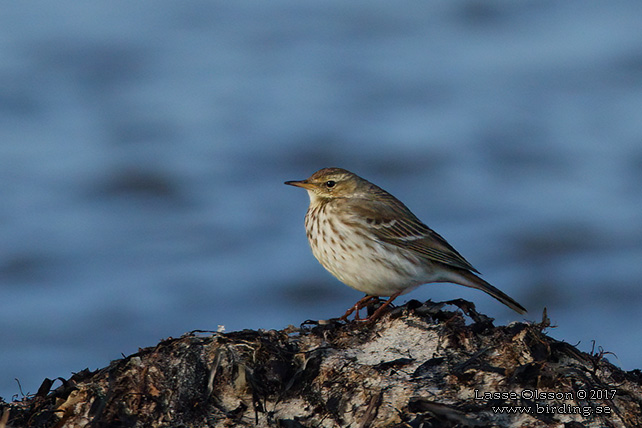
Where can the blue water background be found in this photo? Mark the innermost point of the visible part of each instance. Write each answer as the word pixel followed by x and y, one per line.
pixel 144 145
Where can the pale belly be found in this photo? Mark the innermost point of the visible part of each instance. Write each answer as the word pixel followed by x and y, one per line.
pixel 368 265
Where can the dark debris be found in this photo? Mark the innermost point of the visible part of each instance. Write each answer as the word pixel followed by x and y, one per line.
pixel 249 378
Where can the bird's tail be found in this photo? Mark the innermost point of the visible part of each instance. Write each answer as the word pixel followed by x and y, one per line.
pixel 469 279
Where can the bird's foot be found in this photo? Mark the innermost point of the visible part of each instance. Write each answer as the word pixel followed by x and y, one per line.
pixel 364 303
pixel 381 309
pixel 356 308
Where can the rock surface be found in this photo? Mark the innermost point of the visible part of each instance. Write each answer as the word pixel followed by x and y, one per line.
pixel 418 366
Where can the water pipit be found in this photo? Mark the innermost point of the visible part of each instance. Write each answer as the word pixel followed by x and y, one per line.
pixel 373 243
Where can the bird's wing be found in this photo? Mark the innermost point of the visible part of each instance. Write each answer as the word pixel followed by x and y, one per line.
pixel 393 223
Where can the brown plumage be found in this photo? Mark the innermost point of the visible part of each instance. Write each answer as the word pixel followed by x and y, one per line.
pixel 373 243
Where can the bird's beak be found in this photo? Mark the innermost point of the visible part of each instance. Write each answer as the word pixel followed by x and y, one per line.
pixel 303 183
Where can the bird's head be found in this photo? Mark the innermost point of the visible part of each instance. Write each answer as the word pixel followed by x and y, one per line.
pixel 330 183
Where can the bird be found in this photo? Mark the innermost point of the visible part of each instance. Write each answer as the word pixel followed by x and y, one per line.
pixel 372 242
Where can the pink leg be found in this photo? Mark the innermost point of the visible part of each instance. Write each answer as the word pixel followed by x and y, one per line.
pixel 357 306
pixel 377 314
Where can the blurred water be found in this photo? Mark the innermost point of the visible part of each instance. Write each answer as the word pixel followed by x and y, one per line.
pixel 143 147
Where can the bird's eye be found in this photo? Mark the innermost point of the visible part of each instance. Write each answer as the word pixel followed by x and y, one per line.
pixel 330 184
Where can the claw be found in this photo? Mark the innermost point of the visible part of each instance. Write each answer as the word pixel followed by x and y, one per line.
pixel 363 303
pixel 357 307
